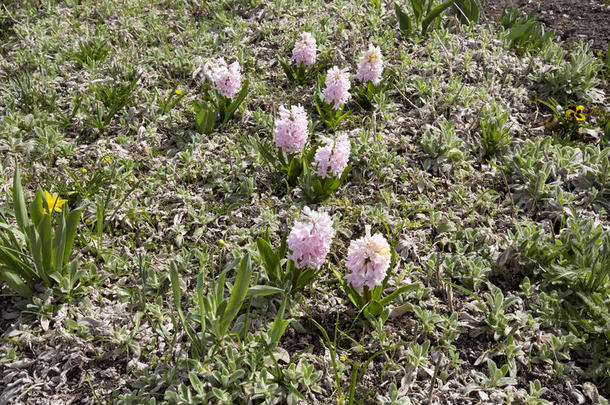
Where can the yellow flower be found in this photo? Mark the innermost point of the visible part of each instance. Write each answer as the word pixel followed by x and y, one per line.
pixel 83 171
pixel 178 92
pixel 577 113
pixel 107 159
pixel 53 202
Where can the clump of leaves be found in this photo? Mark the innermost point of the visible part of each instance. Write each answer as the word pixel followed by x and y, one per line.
pixel 525 33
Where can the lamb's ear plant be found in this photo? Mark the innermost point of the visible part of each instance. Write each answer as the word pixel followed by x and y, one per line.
pixel 38 249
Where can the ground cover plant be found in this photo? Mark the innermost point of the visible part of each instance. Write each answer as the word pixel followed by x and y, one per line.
pixel 248 202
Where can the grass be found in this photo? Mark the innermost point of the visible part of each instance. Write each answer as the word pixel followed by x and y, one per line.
pixel 500 223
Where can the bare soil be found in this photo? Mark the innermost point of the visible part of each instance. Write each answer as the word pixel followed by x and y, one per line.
pixel 584 20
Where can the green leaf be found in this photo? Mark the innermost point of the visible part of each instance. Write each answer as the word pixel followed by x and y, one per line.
pixel 418 9
pixel 173 276
pixel 19 201
pixel 70 230
pixel 270 260
pixel 46 248
pixel 404 22
pixel 433 14
pixel 304 278
pixel 15 282
pixel 402 290
pixel 238 294
pixel 236 102
pixel 279 324
pixel 263 290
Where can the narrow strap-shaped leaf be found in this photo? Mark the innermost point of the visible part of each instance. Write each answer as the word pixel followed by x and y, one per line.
pixel 19 201
pixel 71 227
pixel 60 243
pixel 36 207
pixel 404 22
pixel 15 282
pixel 402 290
pixel 238 294
pixel 279 324
pixel 270 261
pixel 433 14
pixel 236 102
pixel 263 290
pixel 201 303
pixel 418 9
pixel 46 247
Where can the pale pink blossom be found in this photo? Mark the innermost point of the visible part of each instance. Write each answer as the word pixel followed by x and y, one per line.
pixel 227 79
pixel 337 86
pixel 368 259
pixel 291 129
pixel 305 50
pixel 333 156
pixel 309 240
pixel 370 66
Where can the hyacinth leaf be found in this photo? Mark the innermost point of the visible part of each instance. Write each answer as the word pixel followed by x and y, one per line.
pixel 173 275
pixel 303 279
pixel 433 14
pixel 232 107
pixel 294 171
pixel 71 224
pixel 263 291
pixel 205 117
pixel 270 260
pixel 404 22
pixel 14 280
pixel 238 293
pixel 19 201
pixel 36 208
pixel 279 324
pixel 287 69
pixel 402 290
pixel 374 308
pixel 418 9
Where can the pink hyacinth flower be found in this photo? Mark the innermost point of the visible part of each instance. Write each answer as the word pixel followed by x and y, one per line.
pixel 333 156
pixel 370 66
pixel 291 129
pixel 337 86
pixel 305 50
pixel 227 79
pixel 368 259
pixel 309 240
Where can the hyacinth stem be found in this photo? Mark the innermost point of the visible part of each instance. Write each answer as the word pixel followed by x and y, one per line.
pixel 295 278
pixel 367 294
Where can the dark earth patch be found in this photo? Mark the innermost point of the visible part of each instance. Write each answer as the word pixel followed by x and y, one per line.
pixel 574 21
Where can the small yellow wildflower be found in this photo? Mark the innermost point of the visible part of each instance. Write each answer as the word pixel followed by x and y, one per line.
pixel 53 202
pixel 577 113
pixel 222 243
pixel 178 92
pixel 83 171
pixel 107 159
